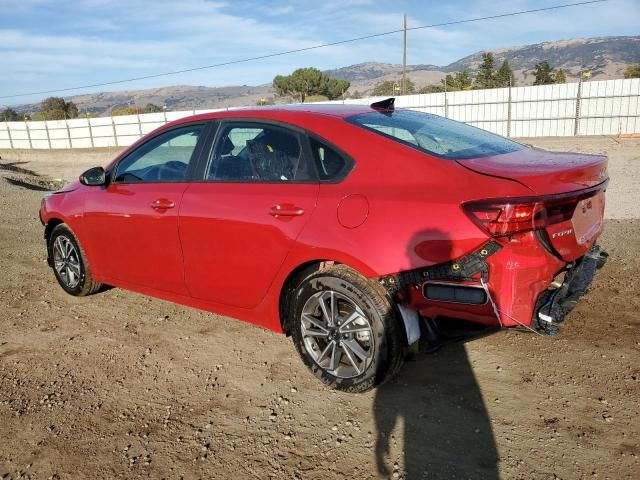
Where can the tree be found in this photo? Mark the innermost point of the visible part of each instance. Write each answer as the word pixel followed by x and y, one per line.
pixel 486 76
pixel 504 76
pixel 317 98
pixel 409 86
pixel 135 110
pixel 336 88
pixel 264 101
pixel 393 87
pixel 434 88
pixel 128 110
pixel 560 77
pixel 632 71
pixel 388 87
pixel 544 74
pixel 309 81
pixel 56 108
pixel 151 108
pixel 9 115
pixel 457 81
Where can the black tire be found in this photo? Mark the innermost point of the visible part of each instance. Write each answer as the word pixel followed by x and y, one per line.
pixel 386 352
pixel 85 284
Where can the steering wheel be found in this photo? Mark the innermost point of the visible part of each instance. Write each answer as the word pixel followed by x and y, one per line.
pixel 128 176
pixel 173 170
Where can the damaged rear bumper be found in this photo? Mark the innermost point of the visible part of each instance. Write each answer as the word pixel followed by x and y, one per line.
pixel 554 304
pixel 512 283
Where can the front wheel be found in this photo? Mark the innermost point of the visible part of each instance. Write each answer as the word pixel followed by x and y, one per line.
pixel 346 330
pixel 69 263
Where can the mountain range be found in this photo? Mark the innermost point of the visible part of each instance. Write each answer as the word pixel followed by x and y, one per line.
pixel 604 57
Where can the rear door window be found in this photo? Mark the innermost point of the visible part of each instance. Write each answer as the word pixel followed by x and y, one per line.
pixel 254 152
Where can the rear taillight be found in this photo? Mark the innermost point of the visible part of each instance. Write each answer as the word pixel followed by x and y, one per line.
pixel 510 216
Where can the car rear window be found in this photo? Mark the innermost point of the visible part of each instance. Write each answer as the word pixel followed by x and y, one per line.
pixel 435 135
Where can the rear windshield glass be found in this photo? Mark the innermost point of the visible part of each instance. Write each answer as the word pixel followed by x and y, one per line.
pixel 435 135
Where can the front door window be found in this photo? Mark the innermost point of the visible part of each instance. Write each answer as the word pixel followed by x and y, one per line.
pixel 163 159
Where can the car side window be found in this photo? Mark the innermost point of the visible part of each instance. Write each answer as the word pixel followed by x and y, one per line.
pixel 162 159
pixel 252 152
pixel 329 163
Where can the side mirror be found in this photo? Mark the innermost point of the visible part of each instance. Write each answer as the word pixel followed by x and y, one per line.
pixel 93 177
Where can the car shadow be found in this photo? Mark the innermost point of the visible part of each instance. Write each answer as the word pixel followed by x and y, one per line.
pixel 434 409
pixel 446 429
pixel 13 167
pixel 29 186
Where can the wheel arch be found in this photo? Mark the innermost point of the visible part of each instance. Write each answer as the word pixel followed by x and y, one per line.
pixel 52 223
pixel 295 277
pixel 298 274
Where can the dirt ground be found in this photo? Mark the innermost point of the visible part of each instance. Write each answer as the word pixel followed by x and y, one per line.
pixel 119 385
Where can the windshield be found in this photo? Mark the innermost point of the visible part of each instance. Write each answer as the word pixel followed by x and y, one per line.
pixel 435 135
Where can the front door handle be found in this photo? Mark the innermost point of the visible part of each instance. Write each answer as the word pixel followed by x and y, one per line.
pixel 162 204
pixel 286 210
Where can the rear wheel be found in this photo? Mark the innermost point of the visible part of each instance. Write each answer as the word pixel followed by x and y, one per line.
pixel 69 263
pixel 346 331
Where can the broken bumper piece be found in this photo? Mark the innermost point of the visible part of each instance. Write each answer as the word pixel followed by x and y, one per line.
pixel 554 305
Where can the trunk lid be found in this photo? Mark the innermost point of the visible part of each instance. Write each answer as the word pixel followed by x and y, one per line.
pixel 572 237
pixel 545 173
pixel 568 187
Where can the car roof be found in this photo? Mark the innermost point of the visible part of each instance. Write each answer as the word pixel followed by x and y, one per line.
pixel 333 109
pixel 282 112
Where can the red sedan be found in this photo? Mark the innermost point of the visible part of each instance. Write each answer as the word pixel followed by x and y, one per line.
pixel 351 228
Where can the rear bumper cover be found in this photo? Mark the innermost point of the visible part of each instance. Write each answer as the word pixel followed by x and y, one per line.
pixel 516 274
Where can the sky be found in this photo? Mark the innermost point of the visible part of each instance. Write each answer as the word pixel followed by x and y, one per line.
pixel 47 44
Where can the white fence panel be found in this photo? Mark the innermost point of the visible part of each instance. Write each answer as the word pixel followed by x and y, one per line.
pixel 5 140
pixel 150 127
pixel 607 107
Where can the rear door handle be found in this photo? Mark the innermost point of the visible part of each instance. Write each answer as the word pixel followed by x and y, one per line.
pixel 162 204
pixel 286 210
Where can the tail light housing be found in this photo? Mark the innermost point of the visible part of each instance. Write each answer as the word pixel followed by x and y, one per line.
pixel 503 217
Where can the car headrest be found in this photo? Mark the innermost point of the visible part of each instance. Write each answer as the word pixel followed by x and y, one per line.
pixel 227 147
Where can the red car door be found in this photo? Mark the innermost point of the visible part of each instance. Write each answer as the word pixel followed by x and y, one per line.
pixel 132 224
pixel 237 226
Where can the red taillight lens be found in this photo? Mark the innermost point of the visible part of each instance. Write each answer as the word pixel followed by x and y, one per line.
pixel 507 218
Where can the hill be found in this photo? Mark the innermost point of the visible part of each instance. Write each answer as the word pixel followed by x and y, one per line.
pixel 604 57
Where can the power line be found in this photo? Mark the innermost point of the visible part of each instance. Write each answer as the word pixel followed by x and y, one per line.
pixel 305 49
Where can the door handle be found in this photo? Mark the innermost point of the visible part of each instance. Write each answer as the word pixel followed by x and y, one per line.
pixel 286 210
pixel 162 204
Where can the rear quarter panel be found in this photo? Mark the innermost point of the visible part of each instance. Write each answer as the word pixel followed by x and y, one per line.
pixel 414 216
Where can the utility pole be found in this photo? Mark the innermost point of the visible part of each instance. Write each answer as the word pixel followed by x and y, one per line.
pixel 576 120
pixel 404 58
pixel 446 102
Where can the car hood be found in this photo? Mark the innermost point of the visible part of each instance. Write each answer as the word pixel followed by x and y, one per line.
pixel 69 187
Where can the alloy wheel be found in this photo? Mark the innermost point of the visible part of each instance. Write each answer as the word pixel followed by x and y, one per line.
pixel 66 261
pixel 337 334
